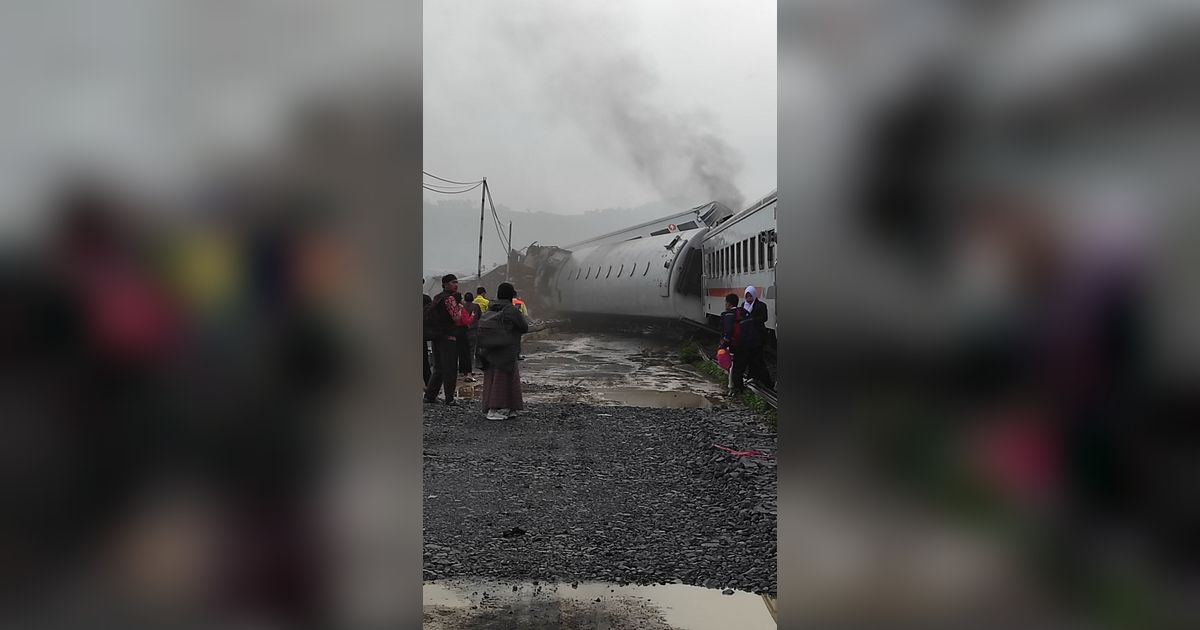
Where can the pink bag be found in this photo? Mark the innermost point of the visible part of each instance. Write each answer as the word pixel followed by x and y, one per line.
pixel 724 359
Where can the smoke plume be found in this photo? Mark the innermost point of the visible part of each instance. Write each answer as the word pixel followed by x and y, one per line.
pixel 591 76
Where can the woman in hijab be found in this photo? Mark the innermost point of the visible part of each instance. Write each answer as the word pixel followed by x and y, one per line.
pixel 752 333
pixel 501 376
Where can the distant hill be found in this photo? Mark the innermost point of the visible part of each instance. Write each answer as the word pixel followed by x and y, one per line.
pixel 451 230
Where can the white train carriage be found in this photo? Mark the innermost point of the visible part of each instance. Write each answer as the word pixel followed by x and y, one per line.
pixel 653 276
pixel 741 252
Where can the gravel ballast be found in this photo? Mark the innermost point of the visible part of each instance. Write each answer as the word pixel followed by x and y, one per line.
pixel 574 492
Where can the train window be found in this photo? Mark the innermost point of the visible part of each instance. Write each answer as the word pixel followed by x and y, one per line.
pixel 771 249
pixel 740 254
pixel 753 254
pixel 762 250
pixel 746 255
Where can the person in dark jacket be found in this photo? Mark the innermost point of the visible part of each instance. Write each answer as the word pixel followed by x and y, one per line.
pixel 446 313
pixel 729 331
pixel 752 334
pixel 501 377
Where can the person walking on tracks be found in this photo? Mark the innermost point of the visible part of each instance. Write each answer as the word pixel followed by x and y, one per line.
pixel 500 331
pixel 752 334
pixel 441 318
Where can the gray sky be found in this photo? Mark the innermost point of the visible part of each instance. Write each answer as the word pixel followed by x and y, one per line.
pixel 568 107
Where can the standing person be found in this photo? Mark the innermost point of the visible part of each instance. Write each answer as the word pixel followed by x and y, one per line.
pixel 481 298
pixel 441 318
pixel 482 301
pixel 461 346
pixel 500 338
pixel 520 304
pixel 729 330
pixel 467 345
pixel 425 343
pixel 752 334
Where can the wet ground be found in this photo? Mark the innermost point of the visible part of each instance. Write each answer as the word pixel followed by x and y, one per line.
pixel 478 604
pixel 608 480
pixel 640 369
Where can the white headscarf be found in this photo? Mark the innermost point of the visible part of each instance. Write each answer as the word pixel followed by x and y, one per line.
pixel 749 304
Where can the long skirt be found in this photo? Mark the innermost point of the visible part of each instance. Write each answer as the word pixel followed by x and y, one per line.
pixel 502 389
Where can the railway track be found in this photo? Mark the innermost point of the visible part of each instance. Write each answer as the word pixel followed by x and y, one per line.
pixel 762 392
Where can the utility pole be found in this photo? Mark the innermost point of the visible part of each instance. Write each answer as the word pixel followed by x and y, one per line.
pixel 482 197
pixel 509 268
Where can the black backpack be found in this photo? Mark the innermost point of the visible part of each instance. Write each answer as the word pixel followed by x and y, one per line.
pixel 431 323
pixel 493 330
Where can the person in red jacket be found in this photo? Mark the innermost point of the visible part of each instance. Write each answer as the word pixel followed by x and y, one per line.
pixel 448 315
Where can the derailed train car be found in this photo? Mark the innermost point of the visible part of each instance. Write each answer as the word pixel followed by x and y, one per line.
pixel 680 272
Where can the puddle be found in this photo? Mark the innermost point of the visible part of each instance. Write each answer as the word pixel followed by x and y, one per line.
pixel 614 369
pixel 471 604
pixel 653 398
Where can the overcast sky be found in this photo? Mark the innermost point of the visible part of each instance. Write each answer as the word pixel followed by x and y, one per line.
pixel 571 106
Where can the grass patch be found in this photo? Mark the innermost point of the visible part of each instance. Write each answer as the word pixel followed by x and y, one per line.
pixel 762 408
pixel 714 371
pixel 750 399
pixel 690 352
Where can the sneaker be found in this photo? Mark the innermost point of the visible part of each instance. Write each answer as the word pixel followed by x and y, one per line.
pixel 468 379
pixel 494 414
pixel 511 415
pixel 451 403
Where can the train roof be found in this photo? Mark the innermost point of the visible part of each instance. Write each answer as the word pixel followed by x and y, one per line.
pixel 704 213
pixel 763 202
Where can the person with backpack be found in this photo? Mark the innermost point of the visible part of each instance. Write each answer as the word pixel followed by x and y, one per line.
pixel 752 334
pixel 442 318
pixel 500 331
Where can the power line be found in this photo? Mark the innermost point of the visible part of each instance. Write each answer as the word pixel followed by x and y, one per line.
pixel 496 218
pixel 450 192
pixel 450 181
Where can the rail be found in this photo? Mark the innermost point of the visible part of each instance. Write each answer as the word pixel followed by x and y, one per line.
pixel 762 392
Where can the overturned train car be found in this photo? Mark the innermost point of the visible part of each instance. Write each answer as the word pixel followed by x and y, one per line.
pixel 665 272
